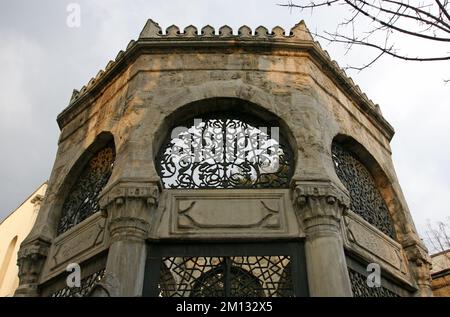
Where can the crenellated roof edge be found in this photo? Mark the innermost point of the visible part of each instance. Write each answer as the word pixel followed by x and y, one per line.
pixel 298 37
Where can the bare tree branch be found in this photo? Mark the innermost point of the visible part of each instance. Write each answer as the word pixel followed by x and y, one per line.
pixel 427 21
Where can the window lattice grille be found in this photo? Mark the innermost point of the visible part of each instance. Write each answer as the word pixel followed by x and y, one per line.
pixel 361 289
pixel 82 201
pixel 248 276
pixel 366 199
pixel 86 286
pixel 225 152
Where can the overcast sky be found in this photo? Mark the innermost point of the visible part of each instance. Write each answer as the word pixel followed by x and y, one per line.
pixel 42 60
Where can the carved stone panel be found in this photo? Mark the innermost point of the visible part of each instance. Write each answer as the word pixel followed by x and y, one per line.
pixel 224 213
pixel 371 244
pixel 76 245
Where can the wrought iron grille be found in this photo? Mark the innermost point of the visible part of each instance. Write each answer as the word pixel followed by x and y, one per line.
pixel 82 201
pixel 86 286
pixel 247 276
pixel 273 269
pixel 366 199
pixel 224 151
pixel 361 289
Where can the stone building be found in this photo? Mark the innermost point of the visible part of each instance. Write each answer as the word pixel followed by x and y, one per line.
pixel 204 163
pixel 13 230
pixel 440 274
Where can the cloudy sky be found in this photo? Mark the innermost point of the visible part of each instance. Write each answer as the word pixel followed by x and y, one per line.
pixel 42 60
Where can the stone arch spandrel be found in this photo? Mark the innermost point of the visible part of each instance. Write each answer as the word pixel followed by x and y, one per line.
pixel 299 114
pixel 60 184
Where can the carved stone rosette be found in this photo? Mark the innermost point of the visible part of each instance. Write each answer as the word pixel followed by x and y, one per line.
pixel 30 259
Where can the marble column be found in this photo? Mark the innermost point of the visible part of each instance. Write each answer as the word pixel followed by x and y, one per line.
pixel 320 206
pixel 128 206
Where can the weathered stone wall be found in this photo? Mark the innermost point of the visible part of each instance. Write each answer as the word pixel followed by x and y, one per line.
pixel 143 94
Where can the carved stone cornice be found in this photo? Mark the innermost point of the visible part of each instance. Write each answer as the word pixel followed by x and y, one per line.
pixel 118 193
pixel 322 199
pixel 152 40
pixel 30 259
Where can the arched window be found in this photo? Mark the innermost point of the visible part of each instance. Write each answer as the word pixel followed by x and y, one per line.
pixel 7 259
pixel 365 197
pixel 82 200
pixel 225 150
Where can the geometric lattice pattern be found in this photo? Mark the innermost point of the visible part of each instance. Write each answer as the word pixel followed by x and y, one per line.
pixel 361 289
pixel 225 152
pixel 82 201
pixel 366 199
pixel 240 276
pixel 86 286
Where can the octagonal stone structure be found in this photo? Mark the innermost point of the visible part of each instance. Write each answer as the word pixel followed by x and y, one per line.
pixel 161 79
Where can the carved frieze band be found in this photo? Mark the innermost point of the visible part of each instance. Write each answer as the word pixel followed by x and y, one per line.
pixel 264 213
pixel 230 212
pixel 85 240
pixel 367 241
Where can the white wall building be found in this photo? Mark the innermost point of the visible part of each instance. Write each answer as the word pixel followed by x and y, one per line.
pixel 13 230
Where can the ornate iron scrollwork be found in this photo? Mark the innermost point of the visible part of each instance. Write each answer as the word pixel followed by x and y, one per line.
pixel 86 286
pixel 361 289
pixel 82 200
pixel 248 276
pixel 223 151
pixel 365 198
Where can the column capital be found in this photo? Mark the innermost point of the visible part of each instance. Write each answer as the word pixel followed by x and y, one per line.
pixel 420 264
pixel 128 205
pixel 30 259
pixel 319 199
pixel 124 190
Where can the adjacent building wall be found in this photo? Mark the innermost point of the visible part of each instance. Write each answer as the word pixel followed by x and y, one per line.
pixel 13 230
pixel 441 274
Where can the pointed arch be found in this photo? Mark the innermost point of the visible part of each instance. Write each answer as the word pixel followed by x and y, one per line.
pixel 225 143
pixel 361 174
pixel 85 181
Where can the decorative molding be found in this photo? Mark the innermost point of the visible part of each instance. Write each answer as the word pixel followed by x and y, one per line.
pixel 119 192
pixel 372 244
pixel 301 32
pixel 151 30
pixel 208 31
pixel 231 213
pixel 128 228
pixel 190 31
pixel 30 259
pixel 224 215
pixel 86 239
pixel 320 199
pixel 245 32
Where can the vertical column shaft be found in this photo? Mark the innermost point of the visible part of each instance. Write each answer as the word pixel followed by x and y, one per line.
pixel 320 206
